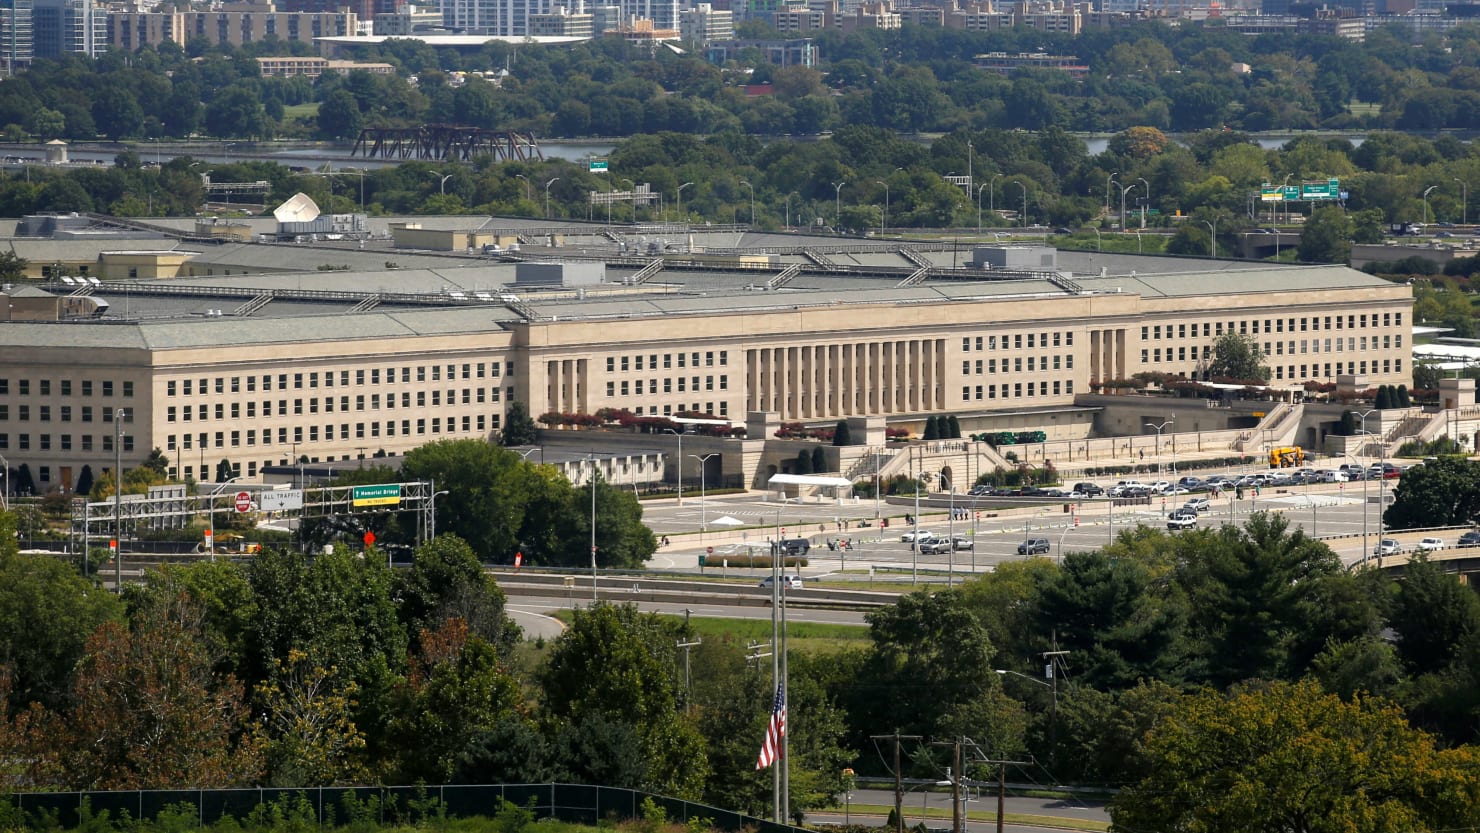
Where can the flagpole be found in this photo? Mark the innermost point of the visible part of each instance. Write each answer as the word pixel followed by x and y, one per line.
pixel 776 678
pixel 785 738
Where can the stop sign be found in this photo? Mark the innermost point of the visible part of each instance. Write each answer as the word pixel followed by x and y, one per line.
pixel 243 501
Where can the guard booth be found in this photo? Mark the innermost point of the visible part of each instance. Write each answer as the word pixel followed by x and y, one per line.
pixel 806 488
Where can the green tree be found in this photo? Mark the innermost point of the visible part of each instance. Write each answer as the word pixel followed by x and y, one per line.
pixel 616 666
pixel 841 434
pixel 819 460
pixel 930 657
pixel 47 612
pixel 459 691
pixel 804 462
pixel 1290 757
pixel 1237 356
pixel 1442 492
pixel 1433 616
pixel 1326 236
pixel 932 429
pixel 446 582
pixel 308 731
pixel 339 116
pixel 953 426
pixel 12 266
pixel 519 427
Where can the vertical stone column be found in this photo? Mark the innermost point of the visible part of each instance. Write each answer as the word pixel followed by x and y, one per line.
pixel 1096 371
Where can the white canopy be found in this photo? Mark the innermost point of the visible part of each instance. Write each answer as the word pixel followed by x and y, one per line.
pixel 807 480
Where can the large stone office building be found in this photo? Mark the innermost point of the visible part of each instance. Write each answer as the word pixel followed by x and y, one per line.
pixel 260 369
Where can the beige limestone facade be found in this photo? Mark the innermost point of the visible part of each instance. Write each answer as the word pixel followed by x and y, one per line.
pixel 364 380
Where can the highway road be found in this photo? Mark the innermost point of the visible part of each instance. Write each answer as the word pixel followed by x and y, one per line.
pixel 1333 512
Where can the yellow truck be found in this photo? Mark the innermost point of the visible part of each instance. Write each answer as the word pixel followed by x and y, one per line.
pixel 1287 457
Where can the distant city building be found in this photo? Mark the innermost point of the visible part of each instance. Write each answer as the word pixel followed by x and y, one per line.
pixel 286 67
pixel 781 53
pixel 561 23
pixel 68 27
pixel 407 20
pixel 800 19
pixel 1005 64
pixel 15 35
pixel 705 24
pixel 236 25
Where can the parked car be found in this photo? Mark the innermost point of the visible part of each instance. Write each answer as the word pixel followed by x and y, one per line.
pixel 788 582
pixel 923 535
pixel 1182 520
pixel 1469 539
pixel 1088 489
pixel 795 546
pixel 961 542
pixel 1192 484
pixel 1387 546
pixel 1197 504
pixel 939 546
pixel 1160 487
pixel 1430 544
pixel 1331 476
pixel 1033 546
pixel 1219 481
pixel 1176 490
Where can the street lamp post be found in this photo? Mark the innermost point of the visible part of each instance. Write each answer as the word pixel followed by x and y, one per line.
pixel 838 201
pixel 1147 206
pixel 1127 189
pixel 1052 686
pixel 979 190
pixel 703 488
pixel 884 223
pixel 1109 180
pixel 1426 192
pixel 1025 201
pixel 441 186
pixel 118 499
pixel 1213 239
pixel 992 193
pixel 592 458
pixel 432 522
pixel 1158 428
pixel 680 199
pixel 679 434
pixel 526 186
pixel 1366 438
pixel 552 181
pixel 1464 201
pixel 752 199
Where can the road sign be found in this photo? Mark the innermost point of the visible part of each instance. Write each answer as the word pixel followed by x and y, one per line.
pixel 1328 189
pixel 518 560
pixel 278 500
pixel 243 501
pixel 369 538
pixel 1271 193
pixel 388 494
pixel 598 166
pixel 709 550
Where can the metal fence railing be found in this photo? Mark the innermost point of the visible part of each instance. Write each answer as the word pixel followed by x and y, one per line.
pixel 575 803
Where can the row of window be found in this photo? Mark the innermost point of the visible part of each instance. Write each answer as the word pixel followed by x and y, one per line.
pixel 685 384
pixel 423 373
pixel 64 442
pixel 1015 365
pixel 1015 341
pixel 1273 325
pixel 361 430
pixel 1350 344
pixel 1287 372
pixel 64 387
pixel 203 412
pixel 636 362
pixel 63 413
pixel 1017 390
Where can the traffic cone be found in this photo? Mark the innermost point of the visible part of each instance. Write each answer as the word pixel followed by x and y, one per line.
pixel 1076 520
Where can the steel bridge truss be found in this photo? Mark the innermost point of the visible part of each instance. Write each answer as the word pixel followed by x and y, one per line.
pixel 439 142
pixel 92 521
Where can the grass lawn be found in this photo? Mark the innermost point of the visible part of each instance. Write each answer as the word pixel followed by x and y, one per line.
pixel 301 111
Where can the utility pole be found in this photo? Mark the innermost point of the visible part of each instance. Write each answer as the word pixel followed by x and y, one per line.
pixel 955 773
pixel 688 684
pixel 1002 788
pixel 898 777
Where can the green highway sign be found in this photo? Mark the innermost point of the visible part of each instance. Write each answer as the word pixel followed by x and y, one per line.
pixel 1327 190
pixel 382 495
pixel 598 166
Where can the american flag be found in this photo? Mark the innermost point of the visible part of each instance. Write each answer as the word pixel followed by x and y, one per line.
pixel 775 731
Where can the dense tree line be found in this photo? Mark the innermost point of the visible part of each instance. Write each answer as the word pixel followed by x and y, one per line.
pixel 1194 662
pixel 914 79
